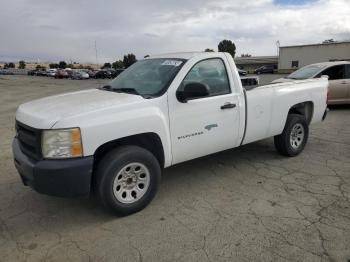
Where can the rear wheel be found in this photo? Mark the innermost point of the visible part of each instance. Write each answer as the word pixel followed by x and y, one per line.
pixel 294 136
pixel 127 179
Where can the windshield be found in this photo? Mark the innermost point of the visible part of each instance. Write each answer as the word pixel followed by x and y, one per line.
pixel 150 77
pixel 305 72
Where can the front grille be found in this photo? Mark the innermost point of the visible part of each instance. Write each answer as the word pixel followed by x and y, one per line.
pixel 29 140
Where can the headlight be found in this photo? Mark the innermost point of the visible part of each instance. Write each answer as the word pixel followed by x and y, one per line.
pixel 62 143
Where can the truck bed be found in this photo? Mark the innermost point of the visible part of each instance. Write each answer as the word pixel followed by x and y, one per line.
pixel 268 106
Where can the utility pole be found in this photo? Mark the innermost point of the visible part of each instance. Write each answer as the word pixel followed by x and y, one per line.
pixel 96 54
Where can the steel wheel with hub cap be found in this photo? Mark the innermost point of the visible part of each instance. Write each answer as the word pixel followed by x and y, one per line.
pixel 294 136
pixel 297 136
pixel 127 179
pixel 131 183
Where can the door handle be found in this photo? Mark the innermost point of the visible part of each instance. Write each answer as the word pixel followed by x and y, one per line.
pixel 228 106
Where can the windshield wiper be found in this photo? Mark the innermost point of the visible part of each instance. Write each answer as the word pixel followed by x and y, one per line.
pixel 119 90
pixel 126 90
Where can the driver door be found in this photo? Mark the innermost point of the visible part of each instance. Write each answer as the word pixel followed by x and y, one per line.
pixel 209 124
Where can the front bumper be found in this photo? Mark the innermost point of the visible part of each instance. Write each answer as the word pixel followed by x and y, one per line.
pixel 64 178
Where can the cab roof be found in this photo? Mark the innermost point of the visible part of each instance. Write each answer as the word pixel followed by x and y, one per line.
pixel 183 55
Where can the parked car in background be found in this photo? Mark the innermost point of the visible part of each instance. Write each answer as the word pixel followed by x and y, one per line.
pixel 75 75
pixel 266 69
pixel 84 75
pixel 31 72
pixel 91 73
pixel 6 72
pixel 103 74
pixel 70 73
pixel 242 72
pixel 51 72
pixel 61 74
pixel 40 73
pixel 116 72
pixel 338 78
pixel 78 75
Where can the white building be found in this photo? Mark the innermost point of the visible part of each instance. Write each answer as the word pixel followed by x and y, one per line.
pixel 294 57
pixel 253 62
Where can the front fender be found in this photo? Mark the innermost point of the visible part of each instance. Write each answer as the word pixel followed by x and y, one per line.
pixel 103 126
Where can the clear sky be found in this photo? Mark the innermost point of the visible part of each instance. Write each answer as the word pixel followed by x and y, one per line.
pixel 67 29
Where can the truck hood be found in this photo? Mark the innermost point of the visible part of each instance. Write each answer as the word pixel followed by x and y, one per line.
pixel 45 112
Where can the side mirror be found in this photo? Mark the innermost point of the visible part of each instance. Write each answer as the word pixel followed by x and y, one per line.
pixel 192 90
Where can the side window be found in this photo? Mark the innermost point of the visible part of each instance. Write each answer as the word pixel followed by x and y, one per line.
pixel 335 72
pixel 211 72
pixel 347 72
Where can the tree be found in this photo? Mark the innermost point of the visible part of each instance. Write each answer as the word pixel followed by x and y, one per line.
pixel 6 65
pixel 118 64
pixel 53 65
pixel 106 66
pixel 129 59
pixel 227 46
pixel 62 65
pixel 40 67
pixel 11 65
pixel 209 50
pixel 246 55
pixel 21 64
pixel 327 41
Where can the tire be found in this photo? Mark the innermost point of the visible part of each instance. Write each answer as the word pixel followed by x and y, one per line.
pixel 120 190
pixel 294 136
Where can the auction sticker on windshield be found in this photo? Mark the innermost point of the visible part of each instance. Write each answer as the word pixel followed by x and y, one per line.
pixel 172 62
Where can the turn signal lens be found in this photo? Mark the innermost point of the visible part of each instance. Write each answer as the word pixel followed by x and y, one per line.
pixel 76 150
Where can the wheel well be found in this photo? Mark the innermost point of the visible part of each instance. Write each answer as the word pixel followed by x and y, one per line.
pixel 149 141
pixel 305 109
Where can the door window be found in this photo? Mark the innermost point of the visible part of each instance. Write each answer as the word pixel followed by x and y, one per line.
pixel 211 72
pixel 347 72
pixel 335 72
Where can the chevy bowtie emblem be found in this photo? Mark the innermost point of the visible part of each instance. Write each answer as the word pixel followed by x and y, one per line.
pixel 208 127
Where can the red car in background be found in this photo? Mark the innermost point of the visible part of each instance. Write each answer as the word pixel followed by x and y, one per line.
pixel 61 74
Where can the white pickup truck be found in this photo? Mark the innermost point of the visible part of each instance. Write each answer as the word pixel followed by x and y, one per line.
pixel 115 140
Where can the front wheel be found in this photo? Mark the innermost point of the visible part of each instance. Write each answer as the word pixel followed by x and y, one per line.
pixel 294 136
pixel 127 179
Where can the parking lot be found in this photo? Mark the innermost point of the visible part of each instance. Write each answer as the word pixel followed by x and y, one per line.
pixel 244 204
